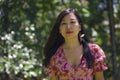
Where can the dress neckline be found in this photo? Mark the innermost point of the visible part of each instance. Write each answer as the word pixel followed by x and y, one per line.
pixel 75 66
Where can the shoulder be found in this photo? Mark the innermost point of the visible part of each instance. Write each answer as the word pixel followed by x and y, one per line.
pixel 96 50
pixel 99 57
pixel 57 54
pixel 93 45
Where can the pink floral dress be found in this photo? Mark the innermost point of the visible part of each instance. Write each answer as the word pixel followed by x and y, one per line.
pixel 61 68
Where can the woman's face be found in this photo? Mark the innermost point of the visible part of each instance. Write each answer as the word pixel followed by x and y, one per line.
pixel 69 27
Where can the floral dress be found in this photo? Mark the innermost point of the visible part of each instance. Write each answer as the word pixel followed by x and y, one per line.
pixel 60 67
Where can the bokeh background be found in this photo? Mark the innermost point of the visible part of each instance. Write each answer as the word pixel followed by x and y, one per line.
pixel 25 26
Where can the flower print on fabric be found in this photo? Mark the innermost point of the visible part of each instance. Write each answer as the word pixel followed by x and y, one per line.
pixel 60 67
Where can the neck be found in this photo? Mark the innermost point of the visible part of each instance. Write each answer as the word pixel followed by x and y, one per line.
pixel 71 43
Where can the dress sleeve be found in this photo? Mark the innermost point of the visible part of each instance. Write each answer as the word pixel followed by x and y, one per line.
pixel 51 69
pixel 99 58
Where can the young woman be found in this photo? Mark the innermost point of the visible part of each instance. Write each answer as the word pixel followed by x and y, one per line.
pixel 68 54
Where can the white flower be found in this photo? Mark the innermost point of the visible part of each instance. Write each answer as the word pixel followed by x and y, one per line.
pixel 40 72
pixel 2 38
pixel 32 27
pixel 12 32
pixel 32 73
pixel 27 33
pixel 14 56
pixel 21 66
pixel 10 56
pixel 40 64
pixel 26 28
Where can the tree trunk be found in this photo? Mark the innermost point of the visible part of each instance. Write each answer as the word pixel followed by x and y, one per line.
pixel 112 35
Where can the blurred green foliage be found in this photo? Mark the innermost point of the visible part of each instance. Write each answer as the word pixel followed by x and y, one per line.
pixel 25 26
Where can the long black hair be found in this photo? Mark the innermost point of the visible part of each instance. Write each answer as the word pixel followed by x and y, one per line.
pixel 56 39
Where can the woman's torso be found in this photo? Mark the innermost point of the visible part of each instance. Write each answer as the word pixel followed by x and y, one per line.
pixel 59 66
pixel 67 70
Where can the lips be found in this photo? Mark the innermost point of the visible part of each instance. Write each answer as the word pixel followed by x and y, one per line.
pixel 69 32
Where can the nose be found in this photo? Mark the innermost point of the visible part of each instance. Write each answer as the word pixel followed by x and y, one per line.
pixel 68 25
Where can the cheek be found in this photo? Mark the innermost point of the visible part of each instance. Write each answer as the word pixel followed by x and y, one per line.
pixel 77 28
pixel 61 30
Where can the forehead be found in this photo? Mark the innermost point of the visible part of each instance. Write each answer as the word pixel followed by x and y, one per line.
pixel 69 16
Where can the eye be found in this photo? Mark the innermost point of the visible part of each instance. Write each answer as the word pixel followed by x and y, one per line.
pixel 73 22
pixel 63 23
